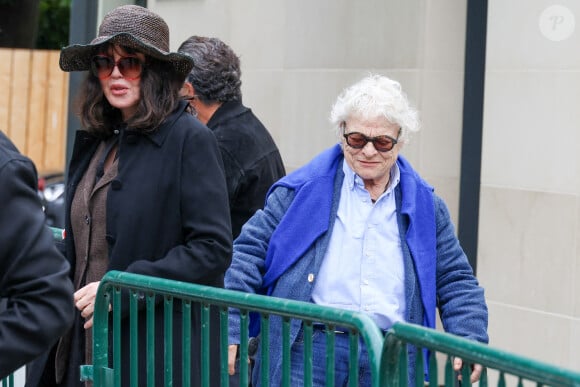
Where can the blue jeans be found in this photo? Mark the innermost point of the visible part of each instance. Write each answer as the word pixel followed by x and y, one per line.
pixel 319 360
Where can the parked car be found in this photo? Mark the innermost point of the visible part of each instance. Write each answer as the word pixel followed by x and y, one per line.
pixel 51 192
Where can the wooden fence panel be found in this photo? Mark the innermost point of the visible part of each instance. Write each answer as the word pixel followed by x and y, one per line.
pixel 56 117
pixel 33 105
pixel 37 112
pixel 5 86
pixel 19 101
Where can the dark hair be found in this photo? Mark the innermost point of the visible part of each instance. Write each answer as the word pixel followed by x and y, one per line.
pixel 216 69
pixel 159 86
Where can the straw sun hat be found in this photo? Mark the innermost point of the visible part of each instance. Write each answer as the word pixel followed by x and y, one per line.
pixel 131 26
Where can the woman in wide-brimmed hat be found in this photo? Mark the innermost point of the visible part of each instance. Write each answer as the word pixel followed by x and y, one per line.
pixel 146 191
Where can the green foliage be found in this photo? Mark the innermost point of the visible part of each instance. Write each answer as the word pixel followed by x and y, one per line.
pixel 53 24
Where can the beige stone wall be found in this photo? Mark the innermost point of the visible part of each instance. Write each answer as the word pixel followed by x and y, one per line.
pixel 530 196
pixel 298 55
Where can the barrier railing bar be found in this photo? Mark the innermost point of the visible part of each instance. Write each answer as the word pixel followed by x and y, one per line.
pixel 265 337
pixel 186 346
pixel 205 343
pixel 244 338
pixel 224 348
pixel 117 337
pixel 150 338
pixel 353 359
pixel 433 371
pixel 307 326
pixel 419 370
pixel 330 355
pixel 134 338
pixel 168 340
pixel 286 352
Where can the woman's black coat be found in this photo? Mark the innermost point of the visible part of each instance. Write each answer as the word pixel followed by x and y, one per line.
pixel 167 216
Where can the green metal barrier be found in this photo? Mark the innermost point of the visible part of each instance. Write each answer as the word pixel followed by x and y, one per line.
pixel 112 285
pixel 388 357
pixel 520 369
pixel 57 233
pixel 8 381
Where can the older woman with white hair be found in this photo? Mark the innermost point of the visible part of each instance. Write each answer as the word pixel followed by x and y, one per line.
pixel 361 207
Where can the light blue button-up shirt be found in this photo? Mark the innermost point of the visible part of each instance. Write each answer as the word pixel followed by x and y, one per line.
pixel 363 267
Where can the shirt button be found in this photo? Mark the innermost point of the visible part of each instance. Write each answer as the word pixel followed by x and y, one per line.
pixel 116 185
pixel 87 219
pixel 311 277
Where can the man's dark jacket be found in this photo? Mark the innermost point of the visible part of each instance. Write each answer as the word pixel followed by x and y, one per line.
pixel 251 159
pixel 34 285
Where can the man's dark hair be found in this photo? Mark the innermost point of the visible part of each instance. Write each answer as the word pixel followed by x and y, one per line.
pixel 216 69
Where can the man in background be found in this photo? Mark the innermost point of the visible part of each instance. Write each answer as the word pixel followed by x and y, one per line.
pixel 36 292
pixel 251 159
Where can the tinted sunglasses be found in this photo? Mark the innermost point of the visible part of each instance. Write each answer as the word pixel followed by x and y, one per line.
pixel 130 67
pixel 358 140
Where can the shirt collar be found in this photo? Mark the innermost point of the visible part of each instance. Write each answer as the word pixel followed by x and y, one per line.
pixel 353 180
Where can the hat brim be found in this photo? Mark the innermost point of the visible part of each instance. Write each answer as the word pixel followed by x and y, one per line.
pixel 77 57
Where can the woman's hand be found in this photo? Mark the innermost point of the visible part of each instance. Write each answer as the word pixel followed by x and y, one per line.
pixel 232 352
pixel 476 369
pixel 84 300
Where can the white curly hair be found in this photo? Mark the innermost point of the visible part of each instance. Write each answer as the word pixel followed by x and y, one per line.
pixel 376 96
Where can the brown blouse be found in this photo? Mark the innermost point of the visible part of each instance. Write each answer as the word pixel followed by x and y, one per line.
pixel 88 223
